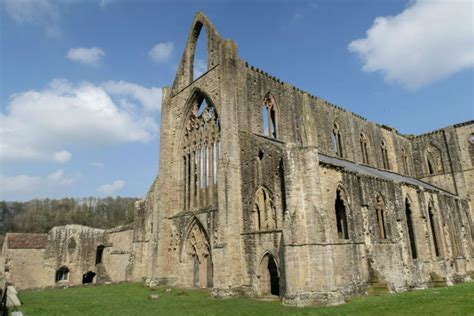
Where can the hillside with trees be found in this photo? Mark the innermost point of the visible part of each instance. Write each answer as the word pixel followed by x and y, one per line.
pixel 40 215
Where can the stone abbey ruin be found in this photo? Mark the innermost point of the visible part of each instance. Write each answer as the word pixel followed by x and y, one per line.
pixel 264 189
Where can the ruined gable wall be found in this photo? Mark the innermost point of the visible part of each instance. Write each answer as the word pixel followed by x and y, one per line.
pixel 78 259
pixel 168 205
pixel 464 136
pixel 456 154
pixel 171 193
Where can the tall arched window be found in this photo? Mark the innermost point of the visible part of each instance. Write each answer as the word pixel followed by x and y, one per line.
pixel 380 213
pixel 336 141
pixel 99 253
pixel 410 228
pixel 341 214
pixel 364 148
pixel 434 163
pixel 201 149
pixel 452 233
pixel 269 116
pixel 434 228
pixel 384 150
pixel 200 51
pixel 406 168
pixel 264 210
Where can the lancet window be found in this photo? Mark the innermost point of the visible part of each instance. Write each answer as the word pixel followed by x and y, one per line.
pixel 385 161
pixel 264 210
pixel 364 148
pixel 269 116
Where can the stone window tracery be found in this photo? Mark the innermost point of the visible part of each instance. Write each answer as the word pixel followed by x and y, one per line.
pixel 201 151
pixel 264 210
pixel 269 116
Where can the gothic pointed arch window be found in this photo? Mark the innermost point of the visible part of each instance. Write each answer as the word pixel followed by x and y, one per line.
pixel 269 116
pixel 364 148
pixel 381 217
pixel 336 140
pixel 452 230
pixel 200 51
pixel 341 210
pixel 265 214
pixel 384 152
pixel 201 151
pixel 406 168
pixel 433 222
pixel 434 163
pixel 410 228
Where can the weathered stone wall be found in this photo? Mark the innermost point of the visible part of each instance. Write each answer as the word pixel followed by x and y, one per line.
pixel 269 221
pixel 117 254
pixel 465 138
pixel 23 268
pixel 32 260
pixel 74 247
pixel 230 244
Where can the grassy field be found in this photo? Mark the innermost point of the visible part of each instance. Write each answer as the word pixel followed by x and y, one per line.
pixel 133 299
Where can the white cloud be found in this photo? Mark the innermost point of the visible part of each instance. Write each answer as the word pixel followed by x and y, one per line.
pixel 28 187
pixel 428 41
pixel 109 189
pixel 87 56
pixel 38 125
pixel 97 164
pixel 161 52
pixel 200 67
pixel 62 156
pixel 104 3
pixel 43 13
pixel 150 98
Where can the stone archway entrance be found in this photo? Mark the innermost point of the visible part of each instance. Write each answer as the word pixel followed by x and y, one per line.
pixel 269 276
pixel 199 255
pixel 88 277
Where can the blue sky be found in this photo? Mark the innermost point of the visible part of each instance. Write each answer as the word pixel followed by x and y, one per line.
pixel 80 84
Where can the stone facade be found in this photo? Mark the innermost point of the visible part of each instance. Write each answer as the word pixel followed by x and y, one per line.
pixel 264 189
pixel 67 255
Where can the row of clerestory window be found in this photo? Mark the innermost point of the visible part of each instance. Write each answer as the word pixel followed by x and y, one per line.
pixel 383 228
pixel 338 149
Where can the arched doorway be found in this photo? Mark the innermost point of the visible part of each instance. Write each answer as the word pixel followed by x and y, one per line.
pixel 88 277
pixel 199 256
pixel 269 276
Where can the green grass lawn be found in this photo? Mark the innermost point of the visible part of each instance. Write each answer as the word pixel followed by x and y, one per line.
pixel 133 299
